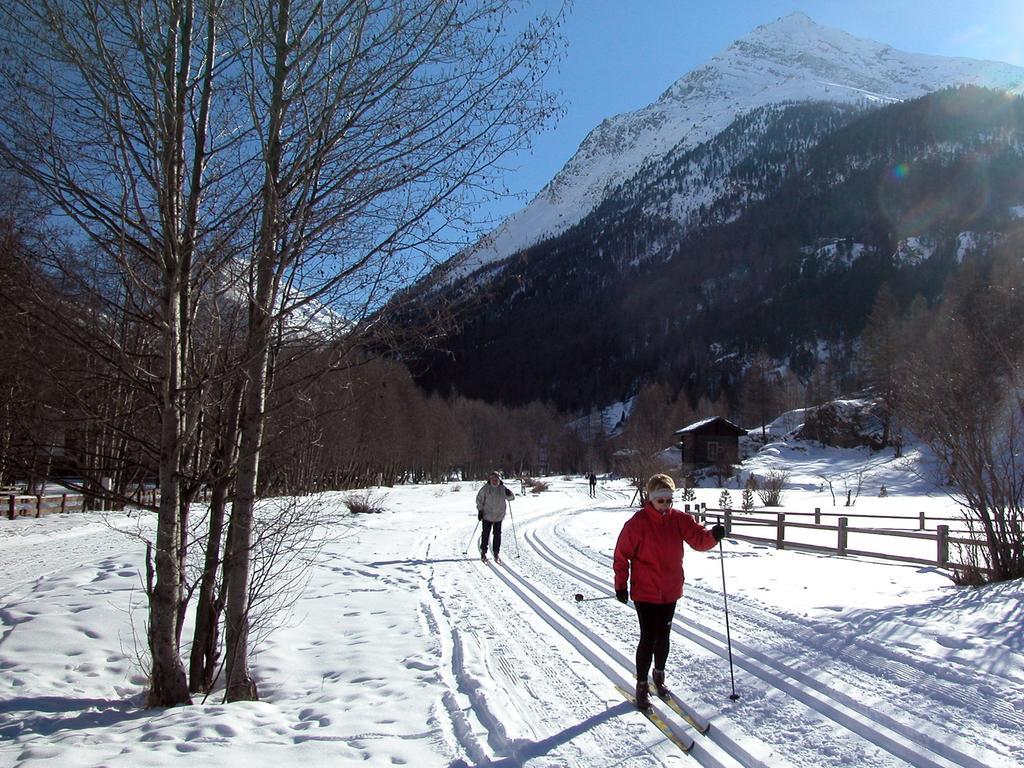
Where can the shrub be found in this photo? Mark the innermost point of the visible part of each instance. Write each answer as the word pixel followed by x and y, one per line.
pixel 770 490
pixel 536 486
pixel 748 500
pixel 688 492
pixel 748 494
pixel 365 502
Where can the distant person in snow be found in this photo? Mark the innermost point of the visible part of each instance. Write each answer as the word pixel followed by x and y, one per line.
pixel 490 510
pixel 648 566
pixel 593 485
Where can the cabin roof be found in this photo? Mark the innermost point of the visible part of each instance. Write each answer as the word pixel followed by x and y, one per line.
pixel 715 424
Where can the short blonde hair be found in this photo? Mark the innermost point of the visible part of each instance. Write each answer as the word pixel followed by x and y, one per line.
pixel 660 483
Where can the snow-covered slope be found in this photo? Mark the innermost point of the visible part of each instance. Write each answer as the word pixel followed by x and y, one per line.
pixel 792 59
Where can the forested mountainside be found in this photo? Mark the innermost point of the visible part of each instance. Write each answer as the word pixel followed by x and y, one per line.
pixel 792 59
pixel 774 236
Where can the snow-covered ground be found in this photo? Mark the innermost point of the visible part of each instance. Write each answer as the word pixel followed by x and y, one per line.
pixel 404 650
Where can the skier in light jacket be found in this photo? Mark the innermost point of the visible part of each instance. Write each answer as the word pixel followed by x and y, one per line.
pixel 648 565
pixel 490 510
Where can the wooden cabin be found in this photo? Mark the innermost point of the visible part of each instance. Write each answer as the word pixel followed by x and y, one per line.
pixel 709 442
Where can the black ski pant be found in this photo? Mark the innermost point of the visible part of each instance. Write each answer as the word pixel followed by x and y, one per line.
pixel 655 630
pixel 488 526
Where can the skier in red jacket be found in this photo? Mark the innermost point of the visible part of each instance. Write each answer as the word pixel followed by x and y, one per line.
pixel 649 559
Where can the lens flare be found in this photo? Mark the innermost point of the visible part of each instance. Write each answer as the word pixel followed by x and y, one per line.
pixel 959 201
pixel 899 172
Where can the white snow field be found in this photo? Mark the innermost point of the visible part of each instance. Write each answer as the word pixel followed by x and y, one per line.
pixel 404 650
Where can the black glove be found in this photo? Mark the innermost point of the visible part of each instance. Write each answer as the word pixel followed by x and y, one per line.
pixel 479 514
pixel 622 595
pixel 718 532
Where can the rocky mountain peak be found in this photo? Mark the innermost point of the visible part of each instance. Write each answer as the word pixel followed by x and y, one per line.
pixel 792 59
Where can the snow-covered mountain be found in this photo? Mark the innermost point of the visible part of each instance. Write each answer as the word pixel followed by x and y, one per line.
pixel 757 206
pixel 790 60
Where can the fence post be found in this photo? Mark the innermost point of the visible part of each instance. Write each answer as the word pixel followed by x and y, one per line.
pixel 920 521
pixel 63 503
pixel 942 539
pixel 39 505
pixel 728 522
pixel 817 515
pixel 780 532
pixel 12 508
pixel 843 522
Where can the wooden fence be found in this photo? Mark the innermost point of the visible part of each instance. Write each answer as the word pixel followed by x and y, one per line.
pixel 779 523
pixel 37 505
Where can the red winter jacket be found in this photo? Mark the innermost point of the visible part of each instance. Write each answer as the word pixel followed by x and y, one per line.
pixel 649 553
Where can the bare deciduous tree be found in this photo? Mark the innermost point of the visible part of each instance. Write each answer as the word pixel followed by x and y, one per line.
pixel 648 432
pixel 287 153
pixel 965 398
pixel 373 121
pixel 761 392
pixel 884 350
pixel 108 114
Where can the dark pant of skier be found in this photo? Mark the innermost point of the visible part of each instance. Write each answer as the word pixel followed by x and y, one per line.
pixel 655 629
pixel 496 544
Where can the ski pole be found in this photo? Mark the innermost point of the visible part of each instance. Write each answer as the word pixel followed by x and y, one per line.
pixel 728 636
pixel 472 536
pixel 581 599
pixel 513 519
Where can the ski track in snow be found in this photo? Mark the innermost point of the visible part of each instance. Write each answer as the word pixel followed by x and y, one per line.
pixel 835 695
pixel 881 734
pixel 509 670
pixel 501 716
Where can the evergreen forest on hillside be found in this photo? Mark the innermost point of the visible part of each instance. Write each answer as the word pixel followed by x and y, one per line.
pixel 788 265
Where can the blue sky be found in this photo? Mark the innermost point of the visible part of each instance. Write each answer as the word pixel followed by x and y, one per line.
pixel 622 54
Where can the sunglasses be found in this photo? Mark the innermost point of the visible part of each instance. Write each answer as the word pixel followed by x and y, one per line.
pixel 662 500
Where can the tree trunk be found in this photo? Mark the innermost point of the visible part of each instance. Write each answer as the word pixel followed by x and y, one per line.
pixel 240 686
pixel 203 657
pixel 168 686
pixel 237 568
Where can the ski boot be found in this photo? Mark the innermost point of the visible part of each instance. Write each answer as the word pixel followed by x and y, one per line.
pixel 643 695
pixel 659 684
